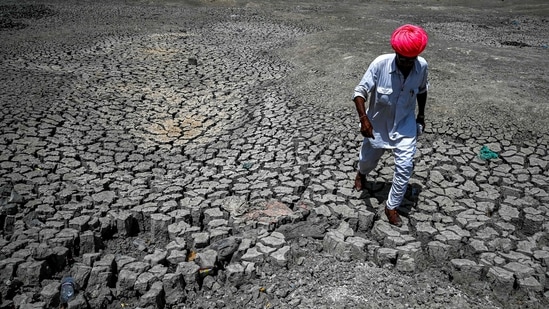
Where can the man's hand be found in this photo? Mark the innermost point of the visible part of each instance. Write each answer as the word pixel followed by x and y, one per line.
pixel 366 127
pixel 421 120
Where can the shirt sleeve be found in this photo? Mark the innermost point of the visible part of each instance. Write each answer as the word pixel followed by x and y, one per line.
pixel 424 86
pixel 366 83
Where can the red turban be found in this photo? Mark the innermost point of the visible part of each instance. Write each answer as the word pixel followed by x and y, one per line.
pixel 409 40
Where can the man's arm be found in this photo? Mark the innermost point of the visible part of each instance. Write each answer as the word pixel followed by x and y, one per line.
pixel 421 102
pixel 365 126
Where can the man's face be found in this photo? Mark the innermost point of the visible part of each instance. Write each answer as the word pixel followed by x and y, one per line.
pixel 405 62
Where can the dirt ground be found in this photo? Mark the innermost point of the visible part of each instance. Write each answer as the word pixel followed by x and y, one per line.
pixel 487 62
pixel 484 56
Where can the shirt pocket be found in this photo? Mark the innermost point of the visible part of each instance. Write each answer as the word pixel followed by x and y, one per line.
pixel 384 96
pixel 411 96
pixel 414 92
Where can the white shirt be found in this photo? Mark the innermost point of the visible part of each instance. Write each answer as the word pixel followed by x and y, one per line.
pixel 392 104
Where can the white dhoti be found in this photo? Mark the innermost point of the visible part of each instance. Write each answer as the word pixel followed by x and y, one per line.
pixel 404 164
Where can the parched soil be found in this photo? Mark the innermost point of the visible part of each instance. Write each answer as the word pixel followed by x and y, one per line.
pixel 200 154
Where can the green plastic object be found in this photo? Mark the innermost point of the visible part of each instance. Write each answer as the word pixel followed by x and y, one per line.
pixel 487 154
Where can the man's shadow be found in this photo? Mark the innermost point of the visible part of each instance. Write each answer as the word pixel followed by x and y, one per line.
pixel 380 191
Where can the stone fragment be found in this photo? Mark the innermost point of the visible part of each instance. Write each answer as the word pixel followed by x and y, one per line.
pixel 414 250
pixel 405 263
pixel 181 215
pixel 346 213
pixel 515 256
pixel 128 276
pixel 465 271
pixel 502 227
pixel 177 229
pixel 126 225
pixel 365 220
pixel 108 260
pixel 533 221
pixel 104 197
pixel 79 223
pixel 177 256
pixel 174 288
pixel 425 231
pixel 137 267
pixel 154 296
pixel 395 241
pixel 280 257
pixel 253 255
pixel 438 252
pixel 238 274
pixel 225 247
pixel 213 214
pixel 450 238
pixel 50 294
pixel 126 281
pixel 500 244
pixel 501 279
pixel 143 282
pixel 322 210
pixel 530 284
pixel 142 214
pixel 220 233
pixel 8 268
pixel 107 227
pixel 486 233
pixel 189 271
pixel 32 272
pixel 509 213
pixel 345 229
pixel 100 275
pixel 537 161
pixel 540 255
pixel 334 244
pixel 200 240
pixel 90 258
pixel 67 238
pixel 157 257
pixel 520 270
pixel 476 246
pixel 44 212
pixel 43 237
pixel 526 247
pixel 207 259
pixel 358 247
pixel 178 243
pixel 159 226
pixel 464 234
pixel 487 259
pixel 266 250
pixel 89 242
pixel 385 256
pixel 158 270
pixel 382 230
pixel 100 297
pixel 81 273
pixel 274 240
pixel 243 247
pixel 302 229
pixel 216 223
pixel 512 191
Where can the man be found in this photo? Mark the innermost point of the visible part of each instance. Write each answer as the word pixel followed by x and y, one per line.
pixel 394 82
